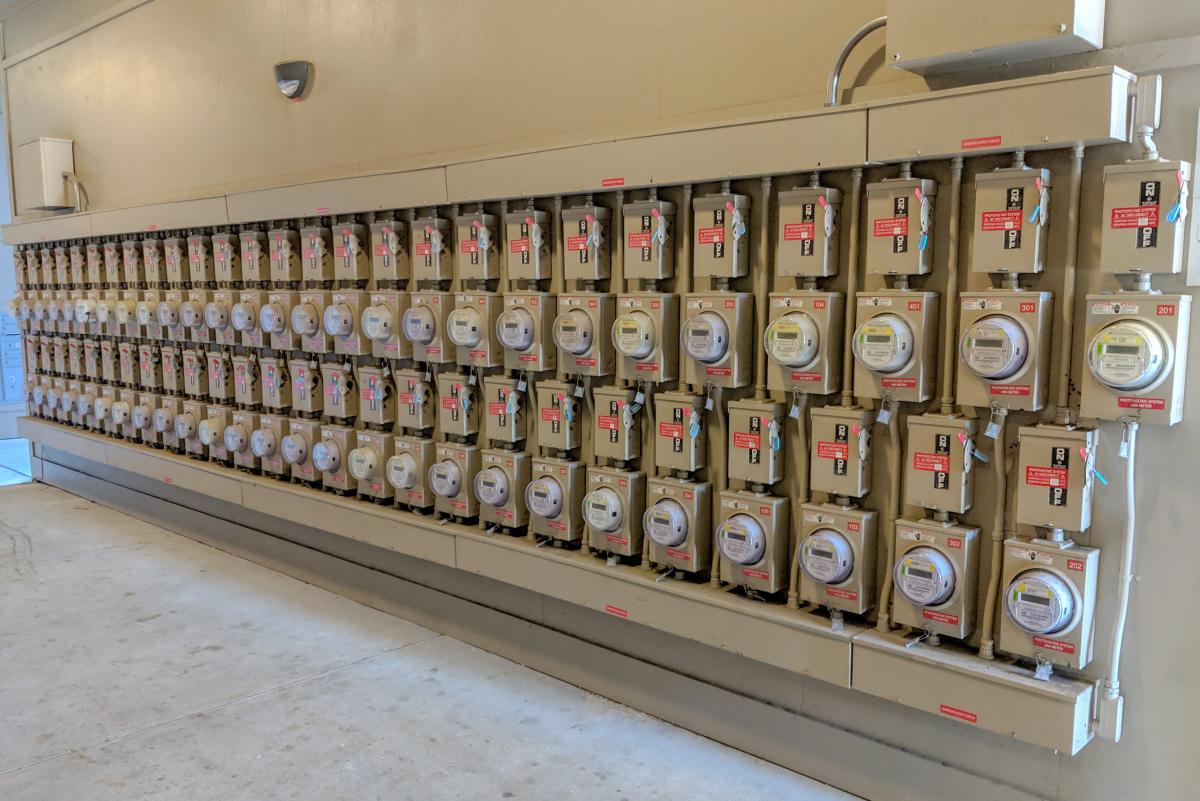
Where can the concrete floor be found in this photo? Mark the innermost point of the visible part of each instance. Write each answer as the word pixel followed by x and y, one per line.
pixel 140 664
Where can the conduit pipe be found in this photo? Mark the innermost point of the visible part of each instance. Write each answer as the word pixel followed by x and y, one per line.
pixel 884 622
pixel 800 457
pixel 950 318
pixel 762 286
pixel 987 642
pixel 851 287
pixel 720 482
pixel 683 268
pixel 835 75
pixel 1112 703
pixel 1062 411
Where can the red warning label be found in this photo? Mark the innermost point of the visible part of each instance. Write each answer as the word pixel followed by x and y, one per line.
pixel 638 239
pixel 577 243
pixel 707 236
pixel 1046 476
pixel 796 376
pixel 955 712
pixel 1054 645
pixel 976 142
pixel 891 226
pixel 899 383
pixel 1009 220
pixel 1152 404
pixel 756 574
pixel 833 450
pixel 606 422
pixel 670 430
pixel 1134 217
pixel 845 595
pixel 1021 390
pixel 551 415
pixel 793 232
pixel 743 439
pixel 939 617
pixel 519 245
pixel 931 462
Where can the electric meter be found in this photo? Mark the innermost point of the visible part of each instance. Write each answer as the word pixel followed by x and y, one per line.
pixel 306 319
pixel 633 335
pixel 185 425
pixel 66 401
pixel 191 314
pixel 544 497
pixel 793 340
pixel 274 319
pixel 742 540
pixel 445 477
pixel 338 320
pixel 884 344
pixel 924 577
pixel 666 522
pixel 826 557
pixel 994 347
pixel 706 337
pixel 1039 602
pixel 515 328
pixel 144 313
pixel 403 471
pixel 216 315
pixel 142 416
pixel 101 408
pixel 236 438
pixel 168 314
pixel 1127 355
pixel 85 310
pixel 377 321
pixel 363 463
pixel 492 486
pixel 420 325
pixel 327 456
pixel 603 509
pixel 465 327
pixel 295 448
pixel 263 443
pixel 573 331
pixel 164 420
pixel 244 315
pixel 211 430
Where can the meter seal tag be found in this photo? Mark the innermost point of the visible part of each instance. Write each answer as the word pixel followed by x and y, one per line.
pixel 1044 670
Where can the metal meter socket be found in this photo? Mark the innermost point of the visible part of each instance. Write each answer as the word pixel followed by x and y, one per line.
pixel 220 375
pixel 720 236
pixel 191 314
pixel 227 258
pixel 677 523
pixel 612 510
pixel 752 538
pixel 895 345
pixel 452 476
pixel 145 312
pixel 296 447
pixel 212 431
pixel 406 471
pixel 505 409
pixel 523 330
pixel 1012 212
pixel 554 498
pixel 585 243
pixel 803 341
pixel 276 383
pixel 1004 340
pixel 316 254
pixel 283 254
pixel 1049 597
pixel 330 456
pixel 900 223
pixel 836 557
pixel 528 236
pixel 142 417
pixel 306 320
pixel 275 319
pixel 367 464
pixel 377 397
pixel 1055 469
pixel 218 317
pixel 649 229
pixel 458 405
pixel 478 246
pixel 175 261
pixel 187 428
pixel 382 323
pixel 341 320
pixel 755 441
pixel 644 338
pixel 806 245
pixel 341 392
pixel 430 240
pixel 415 408
pixel 389 251
pixel 559 412
pixel 499 487
pixel 717 337
pixel 350 262
pixel 617 432
pixel 308 397
pixel 935 577
pixel 472 328
pixel 266 444
pixel 681 439
pixel 169 317
pixel 425 324
pixel 1136 357
pixel 201 269
pixel 164 422
pixel 244 316
pixel 840 451
pixel 581 333
pixel 237 439
pixel 938 473
pixel 1145 219
pixel 256 263
pixel 247 380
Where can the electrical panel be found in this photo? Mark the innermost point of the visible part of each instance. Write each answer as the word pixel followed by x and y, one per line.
pixel 458 411
pixel 308 398
pixel 1145 217
pixel 806 245
pixel 316 255
pixel 227 258
pixel 644 336
pixel 407 471
pixel 935 577
pixel 755 441
pixel 582 333
pixel 1055 467
pixel 201 269
pixel 617 432
pixel 840 450
pixel 680 434
pixel 304 319
pixel 720 236
pixel 718 339
pixel 415 409
pixel 376 397
pixel 452 477
pixel 341 394
pixel 342 321
pixel 478 247
pixel 528 245
pixel 276 383
pixel 499 487
pixel 554 498
pixel 752 537
pixel 330 458
pixel 1049 599
pixel 803 341
pixel 266 444
pixel 585 243
pixel 256 263
pixel 1136 357
pixel 283 253
pixel 367 464
pixel 899 220
pixel 472 328
pixel 613 509
pixel 389 251
pixel 430 240
pixel 505 409
pixel 297 446
pixel 677 523
pixel 558 415
pixel 350 262
pixel 1004 343
pixel 424 324
pixel 523 330
pixel 382 323
pixel 938 472
pixel 649 240
pixel 1012 215
pixel 895 345
pixel 237 436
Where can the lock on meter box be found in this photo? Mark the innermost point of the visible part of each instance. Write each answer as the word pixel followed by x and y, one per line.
pixel 836 556
pixel 935 577
pixel 803 341
pixel 895 345
pixel 676 522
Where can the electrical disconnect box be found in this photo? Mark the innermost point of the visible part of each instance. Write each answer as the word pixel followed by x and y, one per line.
pixel 389 251
pixel 316 254
pixel 617 432
pixel 613 509
pixel 376 397
pixel 430 240
pixel 367 464
pixel 505 409
pixel 415 409
pixel 425 325
pixel 528 245
pixel 895 345
pixel 472 328
pixel 585 243
pixel 554 498
pixel 938 473
pixel 644 336
pixel 680 435
pixel 451 478
pixel 1055 477
pixel 276 383
pixel 1144 224
pixel 582 332
pixel 649 244
pixel 806 245
pixel 1004 339
pixel 677 523
pixel 840 450
pixel 1012 214
pixel 256 265
pixel 836 557
pixel 559 412
pixel 899 217
pixel 1136 357
pixel 350 246
pixel 1049 602
pixel 935 577
pixel 458 411
pixel 523 329
pixel 307 395
pixel 718 338
pixel 478 247
pixel 201 266
pixel 381 323
pixel 752 537
pixel 407 471
pixel 247 380
pixel 227 258
pixel 500 487
pixel 341 394
pixel 803 336
pixel 720 236
pixel 755 441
